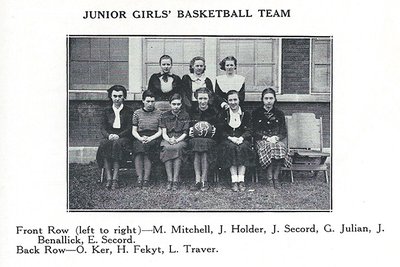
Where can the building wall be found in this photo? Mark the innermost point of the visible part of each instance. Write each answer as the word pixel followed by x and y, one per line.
pixel 295 66
pixel 300 63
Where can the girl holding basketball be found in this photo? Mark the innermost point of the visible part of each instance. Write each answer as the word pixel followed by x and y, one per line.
pixel 202 130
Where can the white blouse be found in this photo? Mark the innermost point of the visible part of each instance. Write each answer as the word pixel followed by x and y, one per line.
pixel 117 120
pixel 227 83
pixel 197 82
pixel 166 86
pixel 234 118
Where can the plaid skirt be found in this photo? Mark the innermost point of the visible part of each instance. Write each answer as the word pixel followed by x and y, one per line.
pixel 267 151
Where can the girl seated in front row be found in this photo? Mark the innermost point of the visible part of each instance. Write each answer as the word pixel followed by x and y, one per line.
pixel 146 131
pixel 236 153
pixel 202 142
pixel 174 125
pixel 269 130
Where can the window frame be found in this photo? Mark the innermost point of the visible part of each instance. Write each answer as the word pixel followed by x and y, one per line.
pixel 137 81
pixel 145 63
pixel 94 87
pixel 312 64
pixel 277 55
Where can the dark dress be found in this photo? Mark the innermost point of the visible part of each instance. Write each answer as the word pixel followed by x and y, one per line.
pixel 267 124
pixel 204 144
pixel 231 153
pixel 147 123
pixel 224 84
pixel 188 91
pixel 116 150
pixel 176 125
pixel 155 86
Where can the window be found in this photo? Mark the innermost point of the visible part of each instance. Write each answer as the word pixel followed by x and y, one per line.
pixel 258 60
pixel 182 50
pixel 321 56
pixel 98 63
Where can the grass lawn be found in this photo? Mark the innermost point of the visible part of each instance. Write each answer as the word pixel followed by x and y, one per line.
pixel 306 193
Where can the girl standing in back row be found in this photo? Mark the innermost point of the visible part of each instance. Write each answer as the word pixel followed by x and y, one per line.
pixel 229 81
pixel 195 80
pixel 164 84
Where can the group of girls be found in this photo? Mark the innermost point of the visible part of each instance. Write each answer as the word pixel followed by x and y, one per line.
pixel 163 127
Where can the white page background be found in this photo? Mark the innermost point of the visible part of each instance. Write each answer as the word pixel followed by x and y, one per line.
pixel 366 62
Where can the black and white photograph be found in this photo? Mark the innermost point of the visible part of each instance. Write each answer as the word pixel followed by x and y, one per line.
pixel 199 133
pixel 199 123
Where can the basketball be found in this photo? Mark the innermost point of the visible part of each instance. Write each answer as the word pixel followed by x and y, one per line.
pixel 202 129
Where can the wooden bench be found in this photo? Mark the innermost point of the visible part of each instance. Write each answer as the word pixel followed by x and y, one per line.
pixel 124 166
pixel 305 142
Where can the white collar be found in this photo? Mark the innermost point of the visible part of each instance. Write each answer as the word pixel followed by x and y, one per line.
pixel 227 83
pixel 234 77
pixel 169 73
pixel 194 77
pixel 238 113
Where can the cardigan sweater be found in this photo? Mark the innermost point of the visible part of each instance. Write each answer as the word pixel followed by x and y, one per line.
pixel 244 130
pixel 268 123
pixel 108 121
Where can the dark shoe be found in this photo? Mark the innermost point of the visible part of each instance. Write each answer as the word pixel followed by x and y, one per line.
pixel 146 183
pixel 204 187
pixel 235 187
pixel 139 184
pixel 108 184
pixel 169 186
pixel 242 187
pixel 175 186
pixel 114 185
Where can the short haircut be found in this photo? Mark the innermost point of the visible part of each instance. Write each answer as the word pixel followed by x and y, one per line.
pixel 202 90
pixel 116 88
pixel 222 63
pixel 191 64
pixel 175 96
pixel 268 90
pixel 165 57
pixel 147 93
